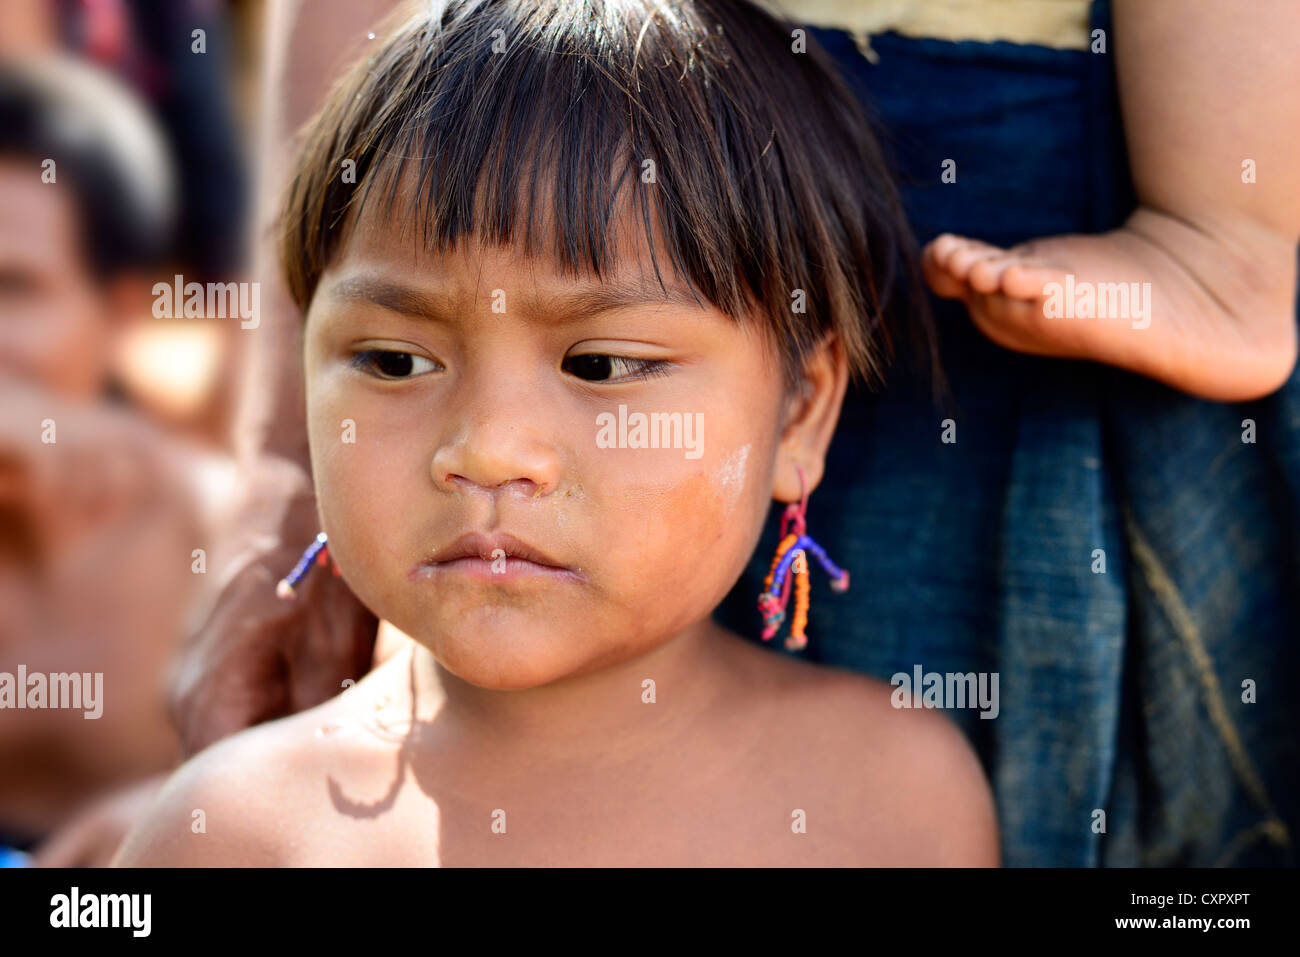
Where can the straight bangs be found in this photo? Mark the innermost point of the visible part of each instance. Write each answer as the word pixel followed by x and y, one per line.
pixel 542 125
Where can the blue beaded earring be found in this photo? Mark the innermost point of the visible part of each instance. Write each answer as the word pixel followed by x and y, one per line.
pixel 317 552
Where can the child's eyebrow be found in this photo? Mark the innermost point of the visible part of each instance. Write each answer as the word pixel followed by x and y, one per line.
pixel 582 303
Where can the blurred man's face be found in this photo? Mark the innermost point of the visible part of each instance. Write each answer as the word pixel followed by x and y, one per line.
pixel 54 316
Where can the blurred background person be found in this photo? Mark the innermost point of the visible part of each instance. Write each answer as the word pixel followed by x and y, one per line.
pixel 99 528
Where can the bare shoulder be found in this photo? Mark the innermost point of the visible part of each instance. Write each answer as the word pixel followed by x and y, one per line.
pixel 922 767
pixel 910 772
pixel 240 802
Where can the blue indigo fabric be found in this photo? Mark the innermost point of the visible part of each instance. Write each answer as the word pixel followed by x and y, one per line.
pixel 1124 692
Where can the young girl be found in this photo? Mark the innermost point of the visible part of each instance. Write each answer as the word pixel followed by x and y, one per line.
pixel 584 285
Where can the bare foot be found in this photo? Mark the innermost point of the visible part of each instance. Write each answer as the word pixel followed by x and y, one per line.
pixel 1155 296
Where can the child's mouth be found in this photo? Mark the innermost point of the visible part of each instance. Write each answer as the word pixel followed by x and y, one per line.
pixel 493 558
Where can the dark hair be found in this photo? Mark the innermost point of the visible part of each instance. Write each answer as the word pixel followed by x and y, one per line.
pixel 104 147
pixel 768 177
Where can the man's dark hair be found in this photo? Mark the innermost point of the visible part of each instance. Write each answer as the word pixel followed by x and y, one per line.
pixel 769 187
pixel 105 148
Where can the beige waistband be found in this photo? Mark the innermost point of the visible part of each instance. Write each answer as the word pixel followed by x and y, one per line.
pixel 1054 23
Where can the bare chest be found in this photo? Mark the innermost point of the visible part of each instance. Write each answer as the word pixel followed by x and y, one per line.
pixel 780 822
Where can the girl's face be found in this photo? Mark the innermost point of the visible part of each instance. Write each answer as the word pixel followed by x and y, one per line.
pixel 479 468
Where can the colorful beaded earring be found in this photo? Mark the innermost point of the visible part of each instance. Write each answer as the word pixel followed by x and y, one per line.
pixel 790 567
pixel 318 552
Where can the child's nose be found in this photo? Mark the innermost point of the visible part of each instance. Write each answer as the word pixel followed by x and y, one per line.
pixel 497 458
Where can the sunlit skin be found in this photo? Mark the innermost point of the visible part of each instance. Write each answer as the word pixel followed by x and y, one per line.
pixel 525 692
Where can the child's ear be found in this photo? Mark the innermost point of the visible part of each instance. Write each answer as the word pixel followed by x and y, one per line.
pixel 810 418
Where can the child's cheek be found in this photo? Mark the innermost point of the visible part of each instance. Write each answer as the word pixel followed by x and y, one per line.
pixel 361 488
pixel 688 527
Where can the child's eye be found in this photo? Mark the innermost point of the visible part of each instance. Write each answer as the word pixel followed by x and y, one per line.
pixel 393 365
pixel 597 367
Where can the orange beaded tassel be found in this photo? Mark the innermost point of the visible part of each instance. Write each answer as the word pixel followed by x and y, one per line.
pixel 790 566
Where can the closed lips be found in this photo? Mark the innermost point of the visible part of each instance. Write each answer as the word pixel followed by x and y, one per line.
pixel 488 547
pixel 498 557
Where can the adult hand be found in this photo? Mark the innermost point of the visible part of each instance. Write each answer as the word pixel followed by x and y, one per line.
pixel 254 657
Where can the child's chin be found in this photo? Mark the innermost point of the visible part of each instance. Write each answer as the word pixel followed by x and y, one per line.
pixel 503 659
pixel 492 675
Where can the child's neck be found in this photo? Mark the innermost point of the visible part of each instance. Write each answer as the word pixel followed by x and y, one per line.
pixel 609 714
